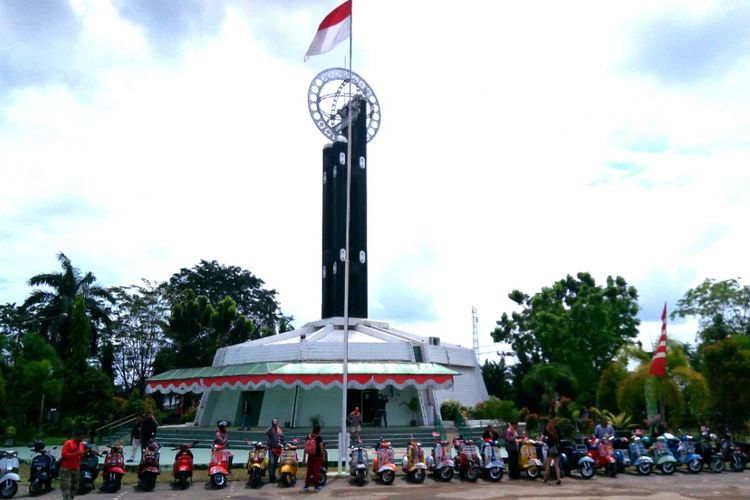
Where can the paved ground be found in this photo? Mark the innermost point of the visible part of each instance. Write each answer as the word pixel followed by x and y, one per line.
pixel 679 486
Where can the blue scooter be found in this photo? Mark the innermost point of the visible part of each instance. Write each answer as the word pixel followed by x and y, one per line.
pixel 683 450
pixel 42 469
pixel 636 455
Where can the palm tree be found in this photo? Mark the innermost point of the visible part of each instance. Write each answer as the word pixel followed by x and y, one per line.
pixel 52 307
pixel 684 392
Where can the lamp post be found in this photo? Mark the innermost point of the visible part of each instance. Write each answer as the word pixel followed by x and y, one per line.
pixel 41 407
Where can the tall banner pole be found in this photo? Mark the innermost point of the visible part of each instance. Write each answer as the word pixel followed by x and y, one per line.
pixel 345 382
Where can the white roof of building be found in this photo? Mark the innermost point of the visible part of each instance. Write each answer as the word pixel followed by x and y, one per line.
pixel 322 340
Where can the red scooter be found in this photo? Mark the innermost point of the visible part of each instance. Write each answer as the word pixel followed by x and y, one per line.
pixel 114 468
pixel 218 466
pixel 182 470
pixel 148 469
pixel 602 451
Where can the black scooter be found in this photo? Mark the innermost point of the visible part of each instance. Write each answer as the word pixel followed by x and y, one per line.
pixel 89 469
pixel 43 469
pixel 733 453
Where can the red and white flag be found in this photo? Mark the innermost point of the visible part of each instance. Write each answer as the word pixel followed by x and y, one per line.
pixel 659 361
pixel 335 28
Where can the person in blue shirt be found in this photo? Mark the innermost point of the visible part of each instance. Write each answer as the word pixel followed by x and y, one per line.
pixel 604 429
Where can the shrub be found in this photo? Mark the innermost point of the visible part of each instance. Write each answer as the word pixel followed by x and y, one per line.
pixel 449 409
pixel 189 416
pixel 532 424
pixel 495 408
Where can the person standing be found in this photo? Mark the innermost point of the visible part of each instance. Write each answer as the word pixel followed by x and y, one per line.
pixel 70 464
pixel 490 433
pixel 382 402
pixel 552 437
pixel 314 460
pixel 148 429
pixel 274 442
pixel 511 446
pixel 135 437
pixel 246 408
pixel 355 423
pixel 222 438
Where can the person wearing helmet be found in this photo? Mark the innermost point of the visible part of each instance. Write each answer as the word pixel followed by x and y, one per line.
pixel 222 438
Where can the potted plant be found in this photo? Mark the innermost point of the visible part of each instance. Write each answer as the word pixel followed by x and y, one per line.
pixel 413 405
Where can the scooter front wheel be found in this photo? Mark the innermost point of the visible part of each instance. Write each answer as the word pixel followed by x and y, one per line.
pixel 587 470
pixel 738 464
pixel 35 487
pixel 322 478
pixel 255 477
pixel 695 466
pixel 472 473
pixel 8 489
pixel 387 476
pixel 532 472
pixel 495 474
pixel 218 480
pixel 360 475
pixel 417 476
pixel 667 468
pixel 446 473
pixel 644 468
pixel 716 464
pixel 182 480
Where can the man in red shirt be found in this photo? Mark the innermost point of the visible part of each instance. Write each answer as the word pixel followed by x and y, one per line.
pixel 70 463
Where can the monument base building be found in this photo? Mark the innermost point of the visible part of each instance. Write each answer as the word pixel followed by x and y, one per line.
pixel 297 376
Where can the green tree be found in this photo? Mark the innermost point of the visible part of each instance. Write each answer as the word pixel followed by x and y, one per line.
pixel 727 369
pixel 497 378
pixel 79 340
pixel 139 319
pixel 574 323
pixel 52 305
pixel 722 309
pixel 38 372
pixel 684 393
pixel 215 281
pixel 606 391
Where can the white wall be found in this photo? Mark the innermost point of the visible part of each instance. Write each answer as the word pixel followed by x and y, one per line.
pixel 221 405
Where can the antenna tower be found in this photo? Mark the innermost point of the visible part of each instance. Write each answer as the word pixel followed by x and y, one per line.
pixel 474 331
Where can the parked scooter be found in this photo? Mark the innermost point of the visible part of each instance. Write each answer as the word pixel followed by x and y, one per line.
pixel 114 468
pixel 288 464
pixel 257 463
pixel 467 458
pixel 709 450
pixel 323 477
pixel 148 469
pixel 683 450
pixel 358 463
pixel 603 454
pixel 575 455
pixel 382 464
pixel 218 466
pixel 663 458
pixel 9 477
pixel 638 457
pixel 89 470
pixel 733 453
pixel 42 469
pixel 492 463
pixel 440 462
pixel 182 469
pixel 527 458
pixel 414 464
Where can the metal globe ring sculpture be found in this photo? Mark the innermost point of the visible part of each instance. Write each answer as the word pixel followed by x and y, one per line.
pixel 328 95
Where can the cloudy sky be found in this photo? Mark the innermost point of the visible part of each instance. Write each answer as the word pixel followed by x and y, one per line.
pixel 520 142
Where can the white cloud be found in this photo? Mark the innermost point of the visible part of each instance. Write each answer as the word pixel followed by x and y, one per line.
pixel 491 171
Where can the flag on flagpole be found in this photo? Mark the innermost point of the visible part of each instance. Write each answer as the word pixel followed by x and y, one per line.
pixel 335 28
pixel 659 361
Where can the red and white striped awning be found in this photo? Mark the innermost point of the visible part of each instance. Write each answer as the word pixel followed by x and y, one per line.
pixel 256 376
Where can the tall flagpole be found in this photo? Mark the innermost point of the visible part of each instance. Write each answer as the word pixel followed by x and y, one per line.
pixel 345 381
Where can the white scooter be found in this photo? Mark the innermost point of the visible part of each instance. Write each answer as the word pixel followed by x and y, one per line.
pixel 358 463
pixel 9 477
pixel 440 462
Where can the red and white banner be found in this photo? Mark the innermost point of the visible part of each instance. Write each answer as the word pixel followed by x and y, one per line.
pixel 335 28
pixel 659 361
